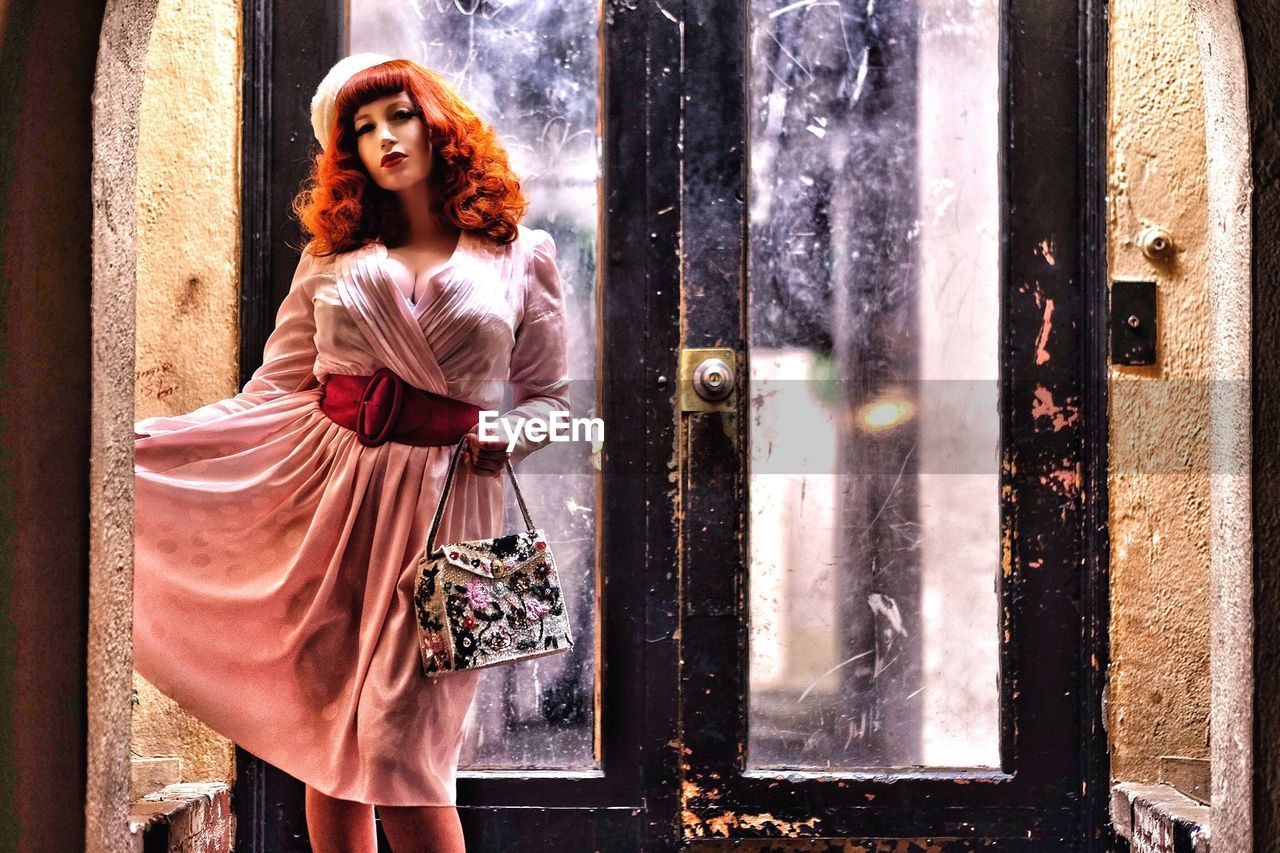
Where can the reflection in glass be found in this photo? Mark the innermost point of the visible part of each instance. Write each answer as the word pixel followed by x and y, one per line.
pixel 874 427
pixel 531 70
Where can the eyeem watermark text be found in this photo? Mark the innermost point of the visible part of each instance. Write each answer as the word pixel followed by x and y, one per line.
pixel 563 427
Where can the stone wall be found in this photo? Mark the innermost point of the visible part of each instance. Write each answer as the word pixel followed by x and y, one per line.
pixel 1159 482
pixel 188 251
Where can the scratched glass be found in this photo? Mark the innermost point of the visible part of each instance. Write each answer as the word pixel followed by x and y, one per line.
pixel 531 70
pixel 874 428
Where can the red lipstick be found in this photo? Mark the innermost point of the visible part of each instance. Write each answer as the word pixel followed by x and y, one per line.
pixel 393 158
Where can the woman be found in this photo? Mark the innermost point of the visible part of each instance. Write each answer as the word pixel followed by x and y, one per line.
pixel 277 534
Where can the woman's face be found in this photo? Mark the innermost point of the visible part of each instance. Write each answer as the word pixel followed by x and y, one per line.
pixel 391 138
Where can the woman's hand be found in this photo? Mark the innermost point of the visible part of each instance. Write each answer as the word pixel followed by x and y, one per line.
pixel 486 457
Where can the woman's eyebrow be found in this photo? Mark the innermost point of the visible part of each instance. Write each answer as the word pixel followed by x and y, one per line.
pixel 400 102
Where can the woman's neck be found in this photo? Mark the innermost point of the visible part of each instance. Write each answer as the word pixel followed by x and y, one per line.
pixel 423 225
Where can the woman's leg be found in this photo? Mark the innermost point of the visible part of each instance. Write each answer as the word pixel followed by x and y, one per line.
pixel 422 829
pixel 339 826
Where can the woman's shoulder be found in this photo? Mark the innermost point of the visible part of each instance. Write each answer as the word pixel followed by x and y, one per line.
pixel 524 237
pixel 536 246
pixel 315 264
pixel 534 238
pixel 514 255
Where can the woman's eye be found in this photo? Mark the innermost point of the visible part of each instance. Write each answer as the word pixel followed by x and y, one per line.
pixel 362 128
pixel 402 114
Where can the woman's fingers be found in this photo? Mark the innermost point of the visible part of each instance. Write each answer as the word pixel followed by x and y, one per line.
pixel 489 465
pixel 486 457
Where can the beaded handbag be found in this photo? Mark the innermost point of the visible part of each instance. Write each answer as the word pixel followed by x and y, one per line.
pixel 485 602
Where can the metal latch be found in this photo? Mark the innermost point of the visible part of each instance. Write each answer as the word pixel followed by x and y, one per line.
pixel 708 379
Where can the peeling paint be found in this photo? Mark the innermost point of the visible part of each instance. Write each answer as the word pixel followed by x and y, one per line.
pixel 1046 325
pixel 1043 406
pixel 1045 250
pixel 1064 482
pixel 856 845
pixel 722 825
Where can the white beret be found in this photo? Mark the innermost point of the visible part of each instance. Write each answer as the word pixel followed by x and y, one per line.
pixel 324 102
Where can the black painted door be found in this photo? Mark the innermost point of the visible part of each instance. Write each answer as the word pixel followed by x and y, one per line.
pixel 576 752
pixel 863 596
pixel 892 585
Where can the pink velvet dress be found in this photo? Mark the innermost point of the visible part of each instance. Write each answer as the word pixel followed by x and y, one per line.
pixel 275 555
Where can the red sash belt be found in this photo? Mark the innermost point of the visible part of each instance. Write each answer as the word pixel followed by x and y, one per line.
pixel 383 407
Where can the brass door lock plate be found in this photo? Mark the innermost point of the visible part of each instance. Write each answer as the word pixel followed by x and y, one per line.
pixel 708 379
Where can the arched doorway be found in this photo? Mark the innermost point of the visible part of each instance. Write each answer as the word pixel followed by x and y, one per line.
pixel 105 688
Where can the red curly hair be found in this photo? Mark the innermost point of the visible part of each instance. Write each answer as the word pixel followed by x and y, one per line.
pixel 341 207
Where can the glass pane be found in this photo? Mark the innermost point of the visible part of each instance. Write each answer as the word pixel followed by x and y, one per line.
pixel 874 311
pixel 531 70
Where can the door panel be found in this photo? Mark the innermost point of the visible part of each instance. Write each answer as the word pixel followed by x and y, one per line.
pixel 873 419
pixel 580 753
pixel 887 223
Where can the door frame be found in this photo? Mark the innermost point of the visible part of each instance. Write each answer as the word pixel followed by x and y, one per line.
pixel 660 94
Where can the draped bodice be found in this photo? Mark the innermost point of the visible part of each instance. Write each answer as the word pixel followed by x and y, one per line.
pixel 456 341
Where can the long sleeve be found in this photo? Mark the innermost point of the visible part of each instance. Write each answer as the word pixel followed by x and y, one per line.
pixel 540 357
pixel 288 358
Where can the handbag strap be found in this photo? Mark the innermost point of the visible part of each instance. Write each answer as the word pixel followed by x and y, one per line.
pixel 448 483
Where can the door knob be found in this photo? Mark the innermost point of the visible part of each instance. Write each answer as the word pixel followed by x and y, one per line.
pixel 713 379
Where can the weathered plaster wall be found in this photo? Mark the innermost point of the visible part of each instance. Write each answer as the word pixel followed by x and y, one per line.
pixel 117 99
pixel 1159 480
pixel 1260 31
pixel 1232 617
pixel 188 210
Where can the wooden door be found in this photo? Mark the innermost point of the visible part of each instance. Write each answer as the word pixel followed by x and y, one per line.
pixel 880 216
